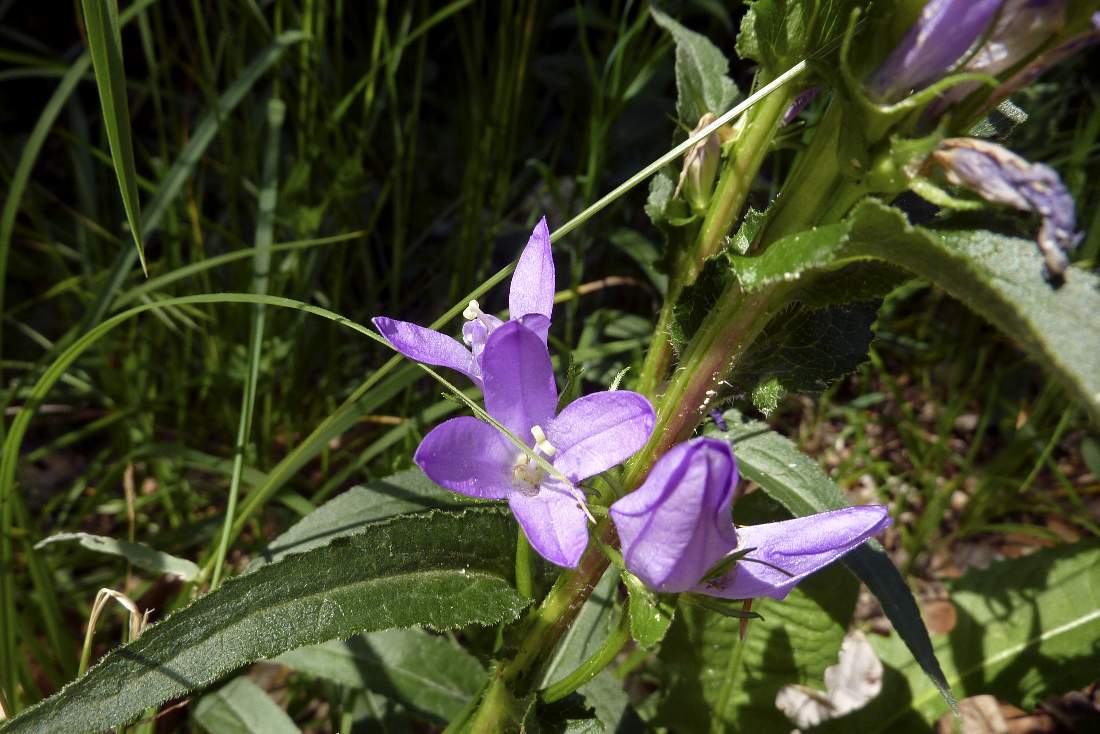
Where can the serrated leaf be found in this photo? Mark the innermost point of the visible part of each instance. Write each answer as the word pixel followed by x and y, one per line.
pixel 105 48
pixel 347 514
pixel 997 276
pixel 442 570
pixel 702 73
pixel 780 33
pixel 420 670
pixel 140 555
pixel 699 299
pixel 721 683
pixel 241 707
pixel 805 350
pixel 802 487
pixel 650 614
pixel 1026 629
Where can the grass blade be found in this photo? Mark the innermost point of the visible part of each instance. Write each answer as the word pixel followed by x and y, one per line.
pixel 261 264
pixel 105 46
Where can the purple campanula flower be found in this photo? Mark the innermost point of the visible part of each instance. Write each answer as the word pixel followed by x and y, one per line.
pixel 943 33
pixel 1001 177
pixel 589 436
pixel 677 527
pixel 530 300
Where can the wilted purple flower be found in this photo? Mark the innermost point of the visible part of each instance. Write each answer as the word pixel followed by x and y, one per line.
pixel 677 528
pixel 589 436
pixel 944 32
pixel 1000 176
pixel 530 300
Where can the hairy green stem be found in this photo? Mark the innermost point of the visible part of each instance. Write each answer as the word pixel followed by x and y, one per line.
pixel 725 208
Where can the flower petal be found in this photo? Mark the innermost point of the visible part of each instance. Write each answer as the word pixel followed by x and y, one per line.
pixel 677 525
pixel 598 431
pixel 468 457
pixel 554 523
pixel 945 30
pixel 427 346
pixel 532 289
pixel 800 547
pixel 518 379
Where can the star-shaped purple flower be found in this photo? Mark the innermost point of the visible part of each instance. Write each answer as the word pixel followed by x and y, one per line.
pixel 589 436
pixel 677 527
pixel 530 301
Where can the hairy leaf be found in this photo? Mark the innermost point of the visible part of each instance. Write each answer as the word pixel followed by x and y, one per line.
pixel 780 33
pixel 799 484
pixel 442 570
pixel 420 670
pixel 140 555
pixel 702 73
pixel 241 707
pixel 347 514
pixel 721 683
pixel 999 277
pixel 807 349
pixel 1027 628
pixel 650 613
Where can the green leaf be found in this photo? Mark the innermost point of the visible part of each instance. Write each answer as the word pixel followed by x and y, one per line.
pixel 105 46
pixel 140 555
pixel 241 707
pixel 347 514
pixel 780 33
pixel 719 682
pixel 806 350
pixel 702 73
pixel 1026 629
pixel 997 276
pixel 650 614
pixel 422 671
pixel 799 484
pixel 442 570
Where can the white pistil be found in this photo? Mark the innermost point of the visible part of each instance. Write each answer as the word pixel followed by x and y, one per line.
pixel 541 443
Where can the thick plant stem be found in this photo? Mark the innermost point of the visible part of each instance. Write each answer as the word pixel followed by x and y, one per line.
pixel 725 207
pixel 730 328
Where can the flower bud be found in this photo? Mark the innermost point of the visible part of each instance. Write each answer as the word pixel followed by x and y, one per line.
pixel 700 167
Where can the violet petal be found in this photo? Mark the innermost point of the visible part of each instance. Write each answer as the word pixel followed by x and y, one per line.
pixel 518 379
pixel 532 289
pixel 598 431
pixel 554 523
pixel 468 457
pixel 800 547
pixel 677 525
pixel 427 346
pixel 942 34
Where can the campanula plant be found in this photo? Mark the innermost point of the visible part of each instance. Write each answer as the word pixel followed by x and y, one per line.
pixel 872 148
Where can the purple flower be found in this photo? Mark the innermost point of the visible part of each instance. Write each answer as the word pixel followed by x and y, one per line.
pixel 589 436
pixel 677 527
pixel 944 32
pixel 530 301
pixel 1000 176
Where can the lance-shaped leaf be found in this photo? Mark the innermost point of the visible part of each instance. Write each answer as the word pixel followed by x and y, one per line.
pixel 1026 628
pixel 702 73
pixel 422 671
pixel 799 484
pixel 997 276
pixel 443 570
pixel 140 555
